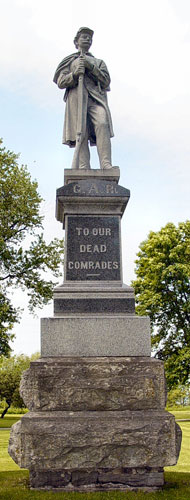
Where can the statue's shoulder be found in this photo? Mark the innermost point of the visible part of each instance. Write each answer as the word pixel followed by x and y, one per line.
pixel 63 64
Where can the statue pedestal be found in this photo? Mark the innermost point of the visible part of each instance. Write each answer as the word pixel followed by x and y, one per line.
pixel 96 397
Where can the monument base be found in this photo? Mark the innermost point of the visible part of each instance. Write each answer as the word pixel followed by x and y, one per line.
pixel 96 397
pixel 95 424
pixel 124 479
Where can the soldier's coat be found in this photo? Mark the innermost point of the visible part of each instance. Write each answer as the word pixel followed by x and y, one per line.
pixel 96 85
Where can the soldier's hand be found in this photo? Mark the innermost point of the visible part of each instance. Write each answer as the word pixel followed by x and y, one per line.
pixel 87 63
pixel 80 67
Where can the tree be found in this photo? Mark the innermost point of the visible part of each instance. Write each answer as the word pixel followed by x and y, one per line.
pixel 162 290
pixel 179 396
pixel 22 265
pixel 11 370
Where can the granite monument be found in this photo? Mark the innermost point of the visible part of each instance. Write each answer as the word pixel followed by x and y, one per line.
pixel 97 418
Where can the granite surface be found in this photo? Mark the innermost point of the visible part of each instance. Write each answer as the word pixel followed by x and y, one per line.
pixel 93 297
pixel 96 305
pixel 92 248
pixel 111 335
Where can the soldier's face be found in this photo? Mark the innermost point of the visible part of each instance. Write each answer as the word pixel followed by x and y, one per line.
pixel 84 41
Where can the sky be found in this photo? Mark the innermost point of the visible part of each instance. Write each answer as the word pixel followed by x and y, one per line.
pixel 146 47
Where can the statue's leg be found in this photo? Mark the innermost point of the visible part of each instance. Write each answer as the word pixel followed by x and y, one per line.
pixel 84 153
pixel 97 115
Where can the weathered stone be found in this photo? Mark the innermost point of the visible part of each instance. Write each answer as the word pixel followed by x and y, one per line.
pixel 132 477
pixel 83 440
pixel 76 384
pixel 84 477
pixel 93 187
pixel 49 478
pixel 71 175
pixel 98 335
pixel 15 444
pixel 123 478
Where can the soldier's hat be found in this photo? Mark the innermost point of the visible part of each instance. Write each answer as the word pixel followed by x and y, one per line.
pixel 83 30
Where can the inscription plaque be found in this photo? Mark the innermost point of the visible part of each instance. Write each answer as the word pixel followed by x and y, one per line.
pixel 93 248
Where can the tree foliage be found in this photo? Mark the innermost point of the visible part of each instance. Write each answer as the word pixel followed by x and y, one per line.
pixel 11 370
pixel 179 396
pixel 22 266
pixel 162 290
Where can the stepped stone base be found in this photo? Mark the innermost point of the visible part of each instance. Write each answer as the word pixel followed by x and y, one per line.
pixel 95 424
pixel 91 446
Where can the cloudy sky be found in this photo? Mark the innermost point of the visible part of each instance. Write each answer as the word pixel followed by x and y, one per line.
pixel 146 46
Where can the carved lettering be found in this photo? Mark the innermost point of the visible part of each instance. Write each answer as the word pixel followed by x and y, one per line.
pixel 110 189
pixel 115 265
pixel 93 189
pixel 97 265
pixel 76 188
pixel 92 248
pixel 85 265
pixel 93 245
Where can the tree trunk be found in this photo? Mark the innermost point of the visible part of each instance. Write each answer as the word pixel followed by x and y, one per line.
pixel 6 409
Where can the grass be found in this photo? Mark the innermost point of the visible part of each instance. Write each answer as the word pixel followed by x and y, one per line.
pixel 183 464
pixel 14 482
pixel 9 420
pixel 14 486
pixel 180 413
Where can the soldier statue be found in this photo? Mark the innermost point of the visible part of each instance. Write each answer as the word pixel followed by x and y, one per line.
pixel 87 115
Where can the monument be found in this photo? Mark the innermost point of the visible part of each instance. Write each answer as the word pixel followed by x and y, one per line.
pixel 97 418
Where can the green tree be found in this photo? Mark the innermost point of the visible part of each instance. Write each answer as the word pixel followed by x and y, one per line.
pixel 162 290
pixel 11 370
pixel 21 265
pixel 179 396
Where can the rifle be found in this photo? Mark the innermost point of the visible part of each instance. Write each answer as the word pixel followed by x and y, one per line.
pixel 80 122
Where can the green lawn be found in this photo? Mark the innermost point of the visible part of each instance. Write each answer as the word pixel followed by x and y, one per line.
pixel 183 464
pixel 14 481
pixel 14 486
pixel 181 413
pixel 9 420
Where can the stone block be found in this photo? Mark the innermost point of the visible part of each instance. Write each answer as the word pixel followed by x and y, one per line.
pixel 95 440
pixel 113 335
pixel 78 384
pixel 88 298
pixel 49 479
pixel 146 476
pixel 95 306
pixel 103 479
pixel 72 175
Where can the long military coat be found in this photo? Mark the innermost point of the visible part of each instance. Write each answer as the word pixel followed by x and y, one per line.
pixel 96 85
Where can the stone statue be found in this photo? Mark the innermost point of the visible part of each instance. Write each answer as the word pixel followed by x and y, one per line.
pixel 87 116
